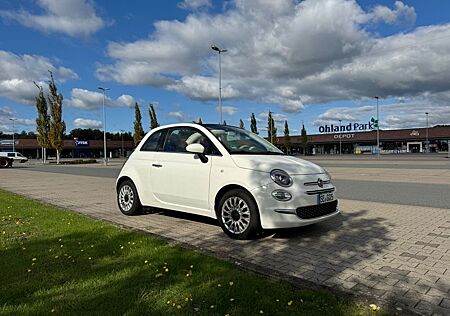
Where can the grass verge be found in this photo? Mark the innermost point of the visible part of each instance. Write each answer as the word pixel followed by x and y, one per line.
pixel 56 261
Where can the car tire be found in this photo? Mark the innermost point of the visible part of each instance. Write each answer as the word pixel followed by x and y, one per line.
pixel 4 163
pixel 238 214
pixel 128 198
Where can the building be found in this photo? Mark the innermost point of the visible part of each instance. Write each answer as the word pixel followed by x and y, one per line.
pixel 411 140
pixel 75 148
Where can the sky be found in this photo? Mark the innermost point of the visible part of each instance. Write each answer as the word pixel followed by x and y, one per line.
pixel 313 61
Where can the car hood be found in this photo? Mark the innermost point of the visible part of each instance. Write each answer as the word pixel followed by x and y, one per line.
pixel 267 163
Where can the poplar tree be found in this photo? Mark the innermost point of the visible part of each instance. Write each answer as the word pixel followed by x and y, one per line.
pixel 304 138
pixel 224 123
pixel 153 119
pixel 241 124
pixel 57 125
pixel 287 138
pixel 253 127
pixel 271 129
pixel 138 130
pixel 200 121
pixel 42 122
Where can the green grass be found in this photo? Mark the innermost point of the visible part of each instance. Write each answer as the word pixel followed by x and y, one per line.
pixel 55 261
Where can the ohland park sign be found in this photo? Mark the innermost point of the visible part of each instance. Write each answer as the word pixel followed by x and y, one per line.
pixel 350 127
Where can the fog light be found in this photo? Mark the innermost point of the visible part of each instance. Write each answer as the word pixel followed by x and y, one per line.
pixel 281 195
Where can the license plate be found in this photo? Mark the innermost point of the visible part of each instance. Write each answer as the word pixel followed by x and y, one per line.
pixel 325 197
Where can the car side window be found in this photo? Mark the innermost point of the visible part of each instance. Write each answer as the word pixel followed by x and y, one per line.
pixel 180 137
pixel 11 155
pixel 153 142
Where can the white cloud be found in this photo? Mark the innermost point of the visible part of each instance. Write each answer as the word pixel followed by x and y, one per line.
pixel 179 116
pixel 71 17
pixel 17 73
pixel 401 13
pixel 6 125
pixel 89 100
pixel 288 53
pixel 194 4
pixel 87 123
pixel 227 110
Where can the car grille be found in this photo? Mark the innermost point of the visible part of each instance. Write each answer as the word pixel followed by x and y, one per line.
pixel 314 211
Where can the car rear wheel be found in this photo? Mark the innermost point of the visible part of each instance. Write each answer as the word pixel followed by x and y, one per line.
pixel 238 214
pixel 128 198
pixel 4 163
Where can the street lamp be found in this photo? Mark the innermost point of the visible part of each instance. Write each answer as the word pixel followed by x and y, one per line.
pixel 121 134
pixel 220 51
pixel 427 148
pixel 340 138
pixel 105 162
pixel 378 129
pixel 14 132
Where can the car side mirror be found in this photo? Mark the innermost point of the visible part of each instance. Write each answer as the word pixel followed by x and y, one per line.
pixel 195 148
pixel 199 150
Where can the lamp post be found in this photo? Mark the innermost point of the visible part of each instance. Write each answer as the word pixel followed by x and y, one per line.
pixel 14 132
pixel 121 134
pixel 340 138
pixel 105 162
pixel 378 129
pixel 220 51
pixel 427 148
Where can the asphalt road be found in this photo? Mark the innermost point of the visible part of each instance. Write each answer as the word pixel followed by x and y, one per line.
pixel 432 195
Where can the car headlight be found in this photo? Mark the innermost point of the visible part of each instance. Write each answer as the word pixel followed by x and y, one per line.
pixel 281 177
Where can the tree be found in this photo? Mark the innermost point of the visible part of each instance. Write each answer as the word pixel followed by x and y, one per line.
pixel 42 122
pixel 253 127
pixel 153 119
pixel 287 138
pixel 241 124
pixel 224 123
pixel 200 121
pixel 304 138
pixel 271 129
pixel 138 130
pixel 57 125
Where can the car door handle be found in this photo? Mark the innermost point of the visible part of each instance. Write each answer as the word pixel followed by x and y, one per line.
pixel 156 165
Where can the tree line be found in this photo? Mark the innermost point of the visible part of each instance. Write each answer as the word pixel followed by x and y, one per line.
pixel 51 128
pixel 271 128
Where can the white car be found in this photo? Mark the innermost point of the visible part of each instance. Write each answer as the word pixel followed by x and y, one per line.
pixel 7 158
pixel 226 173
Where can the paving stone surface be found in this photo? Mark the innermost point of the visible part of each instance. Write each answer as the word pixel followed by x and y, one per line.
pixel 392 253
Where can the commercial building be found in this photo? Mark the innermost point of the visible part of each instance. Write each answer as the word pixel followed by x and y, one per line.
pixel 75 148
pixel 411 140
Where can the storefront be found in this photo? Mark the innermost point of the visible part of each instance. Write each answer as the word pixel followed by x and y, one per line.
pixel 413 140
pixel 76 148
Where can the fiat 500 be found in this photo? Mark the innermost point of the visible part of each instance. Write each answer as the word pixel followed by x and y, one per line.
pixel 226 173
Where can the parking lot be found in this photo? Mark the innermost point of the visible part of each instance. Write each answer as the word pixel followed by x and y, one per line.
pixel 391 243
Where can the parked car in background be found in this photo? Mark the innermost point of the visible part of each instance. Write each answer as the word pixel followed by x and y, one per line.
pixel 226 173
pixel 7 158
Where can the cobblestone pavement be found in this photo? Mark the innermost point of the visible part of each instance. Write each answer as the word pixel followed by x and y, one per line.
pixel 390 252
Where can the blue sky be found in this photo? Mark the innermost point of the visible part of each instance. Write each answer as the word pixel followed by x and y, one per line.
pixel 312 61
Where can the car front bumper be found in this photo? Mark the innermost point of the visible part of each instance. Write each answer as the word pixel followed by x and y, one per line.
pixel 283 214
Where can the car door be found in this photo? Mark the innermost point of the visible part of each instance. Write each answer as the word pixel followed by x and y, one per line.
pixel 143 161
pixel 180 179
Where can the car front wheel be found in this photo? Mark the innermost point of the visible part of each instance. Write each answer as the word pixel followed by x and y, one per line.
pixel 238 214
pixel 128 198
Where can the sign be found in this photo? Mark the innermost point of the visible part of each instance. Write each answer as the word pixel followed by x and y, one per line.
pixel 81 143
pixel 343 136
pixel 414 133
pixel 8 142
pixel 346 128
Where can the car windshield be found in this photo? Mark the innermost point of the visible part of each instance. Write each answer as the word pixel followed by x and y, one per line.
pixel 240 141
